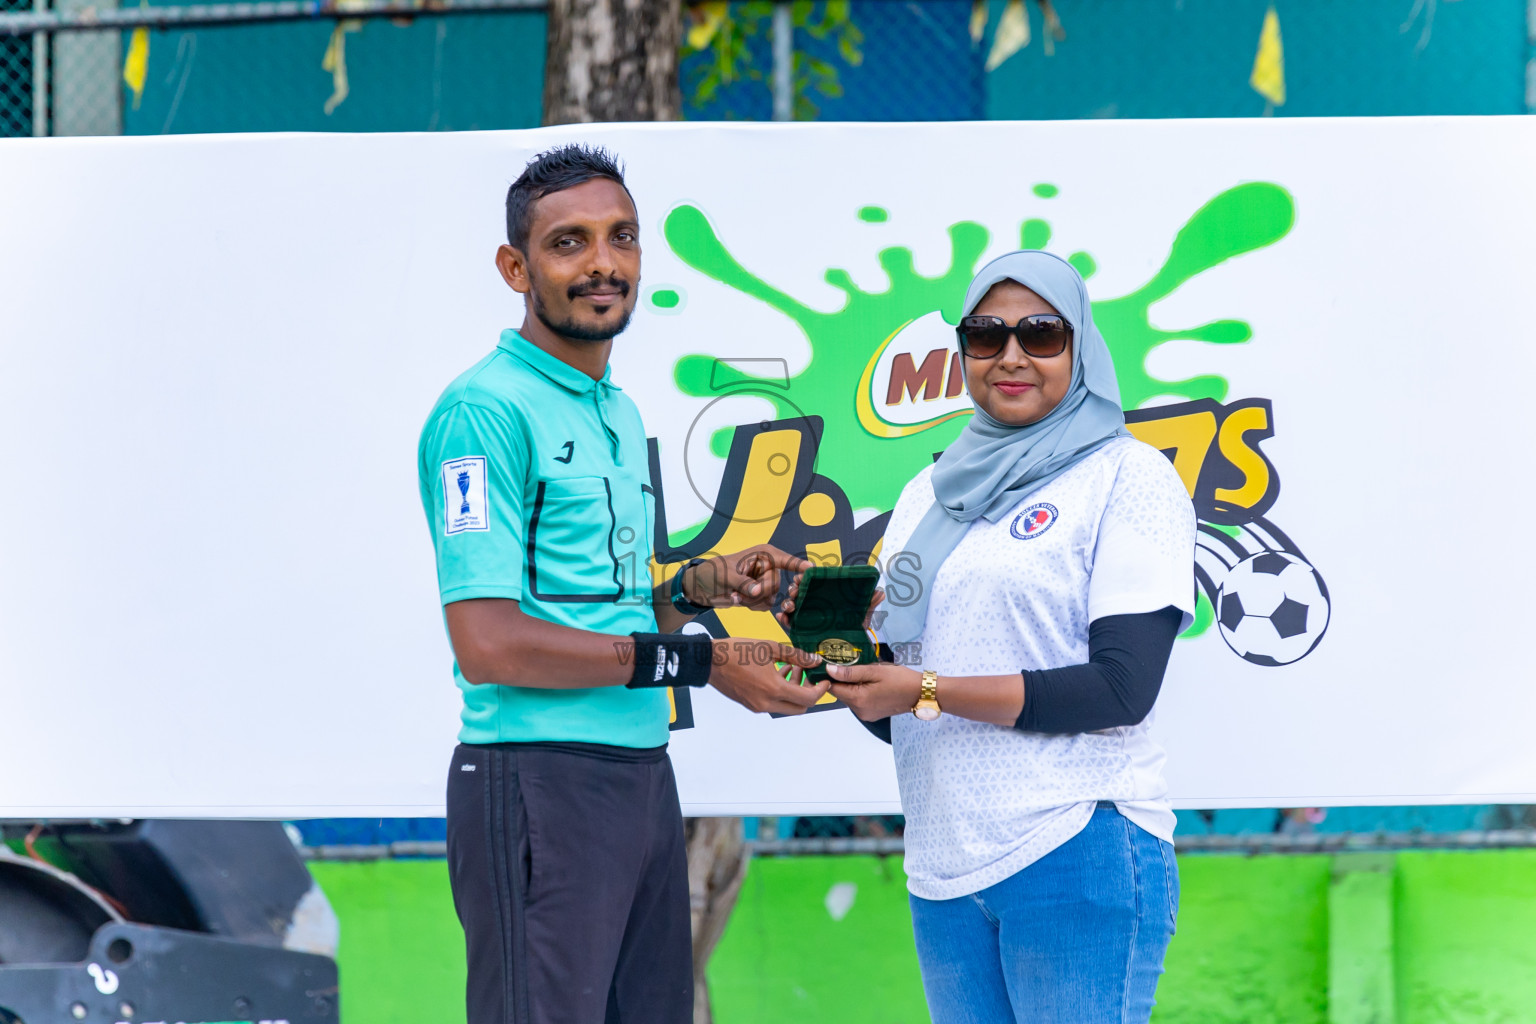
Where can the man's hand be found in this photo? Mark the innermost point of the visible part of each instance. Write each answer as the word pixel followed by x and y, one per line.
pixel 876 691
pixel 744 671
pixel 749 578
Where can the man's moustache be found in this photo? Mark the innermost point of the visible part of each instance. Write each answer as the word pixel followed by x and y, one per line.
pixel 587 288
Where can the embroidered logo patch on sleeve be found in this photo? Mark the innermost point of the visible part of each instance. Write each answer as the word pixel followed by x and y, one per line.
pixel 465 502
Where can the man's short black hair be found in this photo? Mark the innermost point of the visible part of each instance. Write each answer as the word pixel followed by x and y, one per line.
pixel 555 171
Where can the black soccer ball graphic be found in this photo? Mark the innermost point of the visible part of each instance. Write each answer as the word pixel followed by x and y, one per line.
pixel 1272 608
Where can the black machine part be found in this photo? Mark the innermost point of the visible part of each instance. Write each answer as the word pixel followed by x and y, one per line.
pixel 238 879
pixel 142 973
pixel 47 915
pixel 223 923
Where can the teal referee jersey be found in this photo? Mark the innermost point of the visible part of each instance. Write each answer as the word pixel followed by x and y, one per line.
pixel 536 484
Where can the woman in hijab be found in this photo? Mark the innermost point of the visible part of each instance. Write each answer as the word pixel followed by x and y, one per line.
pixel 1053 556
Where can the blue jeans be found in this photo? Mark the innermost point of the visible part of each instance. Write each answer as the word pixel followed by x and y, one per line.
pixel 1076 938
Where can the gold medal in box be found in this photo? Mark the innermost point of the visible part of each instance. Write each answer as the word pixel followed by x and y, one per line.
pixel 829 615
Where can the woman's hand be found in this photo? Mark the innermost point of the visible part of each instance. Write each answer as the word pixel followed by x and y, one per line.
pixel 876 691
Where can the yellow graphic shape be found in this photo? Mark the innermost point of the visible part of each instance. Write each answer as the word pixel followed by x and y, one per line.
pixel 1189 437
pixel 871 420
pixel 826 553
pixel 1268 78
pixel 672 705
pixel 874 556
pixel 817 509
pixel 1244 457
pixel 765 492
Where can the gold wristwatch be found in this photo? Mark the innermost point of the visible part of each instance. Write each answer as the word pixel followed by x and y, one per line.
pixel 927 706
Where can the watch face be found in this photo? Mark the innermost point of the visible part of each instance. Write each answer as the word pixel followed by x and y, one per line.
pixel 926 712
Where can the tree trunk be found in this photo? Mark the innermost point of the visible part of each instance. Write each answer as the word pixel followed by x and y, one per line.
pixel 717 864
pixel 612 60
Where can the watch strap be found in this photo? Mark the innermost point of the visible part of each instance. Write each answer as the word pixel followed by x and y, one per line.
pixel 930 690
pixel 927 706
pixel 679 597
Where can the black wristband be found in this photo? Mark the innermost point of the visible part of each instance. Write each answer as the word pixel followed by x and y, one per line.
pixel 671 659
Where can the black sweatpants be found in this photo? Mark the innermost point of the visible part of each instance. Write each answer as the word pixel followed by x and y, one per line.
pixel 570 877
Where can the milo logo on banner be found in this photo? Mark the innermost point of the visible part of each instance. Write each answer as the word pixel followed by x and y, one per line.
pixel 883 393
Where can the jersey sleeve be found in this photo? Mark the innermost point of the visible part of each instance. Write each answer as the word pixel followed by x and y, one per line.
pixel 474 465
pixel 1144 556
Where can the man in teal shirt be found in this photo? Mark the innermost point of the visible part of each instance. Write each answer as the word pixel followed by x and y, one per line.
pixel 565 837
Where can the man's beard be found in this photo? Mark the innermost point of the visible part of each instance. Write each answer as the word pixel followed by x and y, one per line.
pixel 573 330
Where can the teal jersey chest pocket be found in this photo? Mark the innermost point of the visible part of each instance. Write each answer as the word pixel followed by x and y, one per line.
pixel 572 555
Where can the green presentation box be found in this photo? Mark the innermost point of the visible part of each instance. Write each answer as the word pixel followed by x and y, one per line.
pixel 829 615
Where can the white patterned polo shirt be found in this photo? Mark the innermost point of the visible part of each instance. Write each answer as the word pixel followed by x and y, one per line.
pixel 1114 535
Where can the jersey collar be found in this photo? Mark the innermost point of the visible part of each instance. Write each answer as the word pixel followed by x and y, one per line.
pixel 562 373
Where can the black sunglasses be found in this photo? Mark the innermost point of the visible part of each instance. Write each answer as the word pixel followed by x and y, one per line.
pixel 1040 336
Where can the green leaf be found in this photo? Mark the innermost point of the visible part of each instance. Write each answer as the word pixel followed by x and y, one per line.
pixel 849 51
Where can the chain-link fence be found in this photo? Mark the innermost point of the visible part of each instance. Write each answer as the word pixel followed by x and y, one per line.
pixel 290 65
pixel 1240 830
pixel 864 60
pixel 80 68
pixel 17 87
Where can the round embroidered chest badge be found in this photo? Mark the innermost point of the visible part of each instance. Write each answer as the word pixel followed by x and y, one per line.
pixel 1033 521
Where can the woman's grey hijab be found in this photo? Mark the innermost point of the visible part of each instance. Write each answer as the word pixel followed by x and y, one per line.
pixel 992 467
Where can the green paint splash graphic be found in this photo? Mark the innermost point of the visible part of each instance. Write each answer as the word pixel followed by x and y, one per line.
pixel 1242 219
pixel 841 343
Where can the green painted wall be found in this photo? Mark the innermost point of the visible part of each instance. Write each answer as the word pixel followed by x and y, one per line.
pixel 402 953
pixel 1253 942
pixel 784 958
pixel 1466 937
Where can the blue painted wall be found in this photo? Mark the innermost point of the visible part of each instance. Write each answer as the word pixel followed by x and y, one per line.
pixel 1120 58
pixel 1171 58
pixel 1192 58
pixel 458 73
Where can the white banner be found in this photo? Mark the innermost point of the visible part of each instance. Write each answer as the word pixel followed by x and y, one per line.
pixel 216 586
